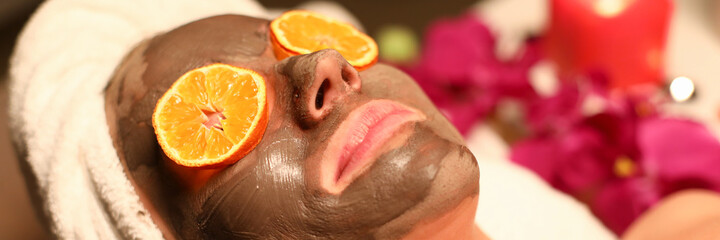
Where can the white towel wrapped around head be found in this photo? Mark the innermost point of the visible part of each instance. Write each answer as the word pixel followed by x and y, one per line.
pixel 61 65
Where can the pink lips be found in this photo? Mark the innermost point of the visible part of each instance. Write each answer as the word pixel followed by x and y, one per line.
pixel 354 146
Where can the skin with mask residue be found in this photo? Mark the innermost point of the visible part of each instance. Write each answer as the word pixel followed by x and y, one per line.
pixel 279 190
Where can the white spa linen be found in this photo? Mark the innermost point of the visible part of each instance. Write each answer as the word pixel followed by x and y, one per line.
pixel 61 65
pixel 516 204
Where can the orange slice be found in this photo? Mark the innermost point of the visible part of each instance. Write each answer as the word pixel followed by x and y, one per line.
pixel 301 32
pixel 211 116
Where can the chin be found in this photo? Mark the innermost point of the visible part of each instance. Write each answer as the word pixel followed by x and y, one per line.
pixel 416 184
pixel 451 199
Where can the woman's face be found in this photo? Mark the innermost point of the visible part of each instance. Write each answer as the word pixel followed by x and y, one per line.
pixel 344 155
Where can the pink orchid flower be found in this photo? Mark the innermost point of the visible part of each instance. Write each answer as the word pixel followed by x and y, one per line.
pixel 620 161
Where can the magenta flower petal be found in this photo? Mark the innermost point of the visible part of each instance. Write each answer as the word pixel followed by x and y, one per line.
pixel 620 202
pixel 573 161
pixel 454 47
pixel 555 113
pixel 539 155
pixel 680 153
pixel 619 131
pixel 586 165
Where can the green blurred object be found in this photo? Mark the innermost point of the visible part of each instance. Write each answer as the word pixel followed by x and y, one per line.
pixel 397 44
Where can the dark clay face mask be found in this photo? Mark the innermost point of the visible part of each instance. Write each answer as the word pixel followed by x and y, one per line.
pixel 276 191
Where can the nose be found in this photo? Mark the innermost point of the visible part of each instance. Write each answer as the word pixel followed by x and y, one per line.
pixel 324 78
pixel 334 79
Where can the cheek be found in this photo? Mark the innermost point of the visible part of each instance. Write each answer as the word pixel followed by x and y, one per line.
pixel 251 202
pixel 389 83
pixel 385 82
pixel 280 164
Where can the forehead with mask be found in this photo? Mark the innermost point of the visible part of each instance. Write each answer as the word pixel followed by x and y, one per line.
pixel 289 185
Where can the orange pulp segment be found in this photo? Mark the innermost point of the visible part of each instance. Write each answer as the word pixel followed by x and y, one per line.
pixel 211 116
pixel 301 32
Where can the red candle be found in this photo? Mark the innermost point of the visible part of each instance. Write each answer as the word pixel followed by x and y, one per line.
pixel 625 39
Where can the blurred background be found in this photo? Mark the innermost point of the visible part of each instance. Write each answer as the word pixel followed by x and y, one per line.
pixel 613 102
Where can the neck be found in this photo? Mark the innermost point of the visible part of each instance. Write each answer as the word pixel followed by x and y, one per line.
pixel 459 223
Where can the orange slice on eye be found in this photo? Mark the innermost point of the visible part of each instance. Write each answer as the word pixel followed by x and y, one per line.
pixel 302 32
pixel 211 116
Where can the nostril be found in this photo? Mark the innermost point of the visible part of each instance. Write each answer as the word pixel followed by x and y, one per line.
pixel 320 96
